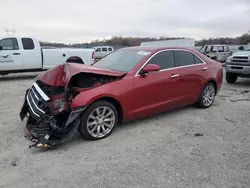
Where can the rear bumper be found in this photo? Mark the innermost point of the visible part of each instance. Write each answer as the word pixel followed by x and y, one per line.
pixel 238 69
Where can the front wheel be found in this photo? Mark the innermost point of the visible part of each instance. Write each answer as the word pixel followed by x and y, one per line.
pixel 207 96
pixel 231 77
pixel 98 121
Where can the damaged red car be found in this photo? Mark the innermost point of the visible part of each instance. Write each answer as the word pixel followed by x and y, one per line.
pixel 127 84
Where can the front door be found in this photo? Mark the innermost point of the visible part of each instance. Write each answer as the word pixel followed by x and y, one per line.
pixel 10 54
pixel 156 91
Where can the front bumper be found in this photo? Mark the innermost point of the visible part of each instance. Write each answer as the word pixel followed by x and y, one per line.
pixel 238 69
pixel 41 125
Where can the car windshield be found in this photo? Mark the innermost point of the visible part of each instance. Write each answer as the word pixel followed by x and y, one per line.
pixel 123 60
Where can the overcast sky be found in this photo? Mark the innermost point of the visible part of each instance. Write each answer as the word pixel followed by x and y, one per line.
pixel 85 20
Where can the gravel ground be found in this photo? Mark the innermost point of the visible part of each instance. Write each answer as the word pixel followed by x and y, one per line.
pixel 188 147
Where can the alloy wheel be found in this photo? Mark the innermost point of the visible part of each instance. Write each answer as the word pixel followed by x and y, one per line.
pixel 208 96
pixel 101 121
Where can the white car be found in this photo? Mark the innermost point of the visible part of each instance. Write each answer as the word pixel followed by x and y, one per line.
pixel 101 51
pixel 24 54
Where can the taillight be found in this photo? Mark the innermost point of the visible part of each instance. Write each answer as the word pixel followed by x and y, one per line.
pixel 93 54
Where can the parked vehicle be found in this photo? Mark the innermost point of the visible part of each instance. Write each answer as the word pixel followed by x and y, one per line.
pixel 186 43
pixel 24 54
pixel 127 84
pixel 216 52
pixel 101 51
pixel 238 65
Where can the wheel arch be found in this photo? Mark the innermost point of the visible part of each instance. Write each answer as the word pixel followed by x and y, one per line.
pixel 113 101
pixel 117 105
pixel 75 59
pixel 213 82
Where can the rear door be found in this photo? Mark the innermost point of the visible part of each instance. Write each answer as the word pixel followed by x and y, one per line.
pixel 32 57
pixel 98 52
pixel 10 54
pixel 157 90
pixel 104 51
pixel 225 53
pixel 191 69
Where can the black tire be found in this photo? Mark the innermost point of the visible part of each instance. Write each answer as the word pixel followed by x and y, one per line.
pixel 231 77
pixel 200 103
pixel 84 118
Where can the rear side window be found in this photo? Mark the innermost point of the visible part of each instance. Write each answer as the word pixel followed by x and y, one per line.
pixel 28 44
pixel 110 49
pixel 183 58
pixel 98 50
pixel 164 59
pixel 104 49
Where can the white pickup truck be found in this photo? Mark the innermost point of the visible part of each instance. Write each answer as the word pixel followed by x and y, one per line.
pixel 238 65
pixel 24 54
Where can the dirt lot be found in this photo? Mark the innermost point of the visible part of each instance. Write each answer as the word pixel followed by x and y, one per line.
pixel 160 151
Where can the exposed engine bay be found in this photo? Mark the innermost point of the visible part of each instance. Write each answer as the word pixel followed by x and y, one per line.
pixel 50 119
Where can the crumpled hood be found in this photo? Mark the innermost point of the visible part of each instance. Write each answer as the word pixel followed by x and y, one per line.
pixel 247 53
pixel 61 74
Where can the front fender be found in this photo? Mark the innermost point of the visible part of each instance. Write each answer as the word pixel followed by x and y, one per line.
pixel 87 97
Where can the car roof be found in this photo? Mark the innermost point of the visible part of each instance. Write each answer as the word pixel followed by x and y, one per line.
pixel 216 45
pixel 154 48
pixel 103 47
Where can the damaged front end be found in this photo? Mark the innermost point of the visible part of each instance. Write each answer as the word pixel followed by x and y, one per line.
pixel 50 119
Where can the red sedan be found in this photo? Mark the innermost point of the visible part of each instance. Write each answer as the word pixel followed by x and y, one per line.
pixel 127 84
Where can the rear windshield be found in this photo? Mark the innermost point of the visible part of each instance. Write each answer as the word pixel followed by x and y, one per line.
pixel 123 60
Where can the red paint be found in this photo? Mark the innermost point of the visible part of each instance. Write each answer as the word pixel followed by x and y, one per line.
pixel 53 76
pixel 147 94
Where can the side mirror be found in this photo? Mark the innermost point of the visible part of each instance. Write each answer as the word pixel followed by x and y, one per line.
pixel 241 48
pixel 149 68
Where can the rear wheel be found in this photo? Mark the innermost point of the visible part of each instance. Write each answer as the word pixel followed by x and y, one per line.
pixel 207 96
pixel 231 77
pixel 98 121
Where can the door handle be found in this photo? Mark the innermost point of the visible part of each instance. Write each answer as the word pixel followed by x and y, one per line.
pixel 204 68
pixel 16 53
pixel 174 75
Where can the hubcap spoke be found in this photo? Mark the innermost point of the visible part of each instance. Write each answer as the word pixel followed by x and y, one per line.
pixel 98 112
pixel 98 130
pixel 104 130
pixel 92 123
pixel 107 125
pixel 92 117
pixel 109 114
pixel 109 119
pixel 93 130
pixel 104 110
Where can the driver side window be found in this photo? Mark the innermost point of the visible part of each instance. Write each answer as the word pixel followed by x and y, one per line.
pixel 9 44
pixel 164 59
